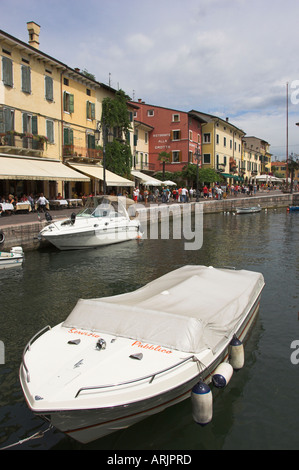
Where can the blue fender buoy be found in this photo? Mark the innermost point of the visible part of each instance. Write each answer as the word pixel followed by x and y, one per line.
pixel 202 403
pixel 222 375
pixel 237 358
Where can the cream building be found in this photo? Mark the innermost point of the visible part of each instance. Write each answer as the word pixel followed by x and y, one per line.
pixel 221 146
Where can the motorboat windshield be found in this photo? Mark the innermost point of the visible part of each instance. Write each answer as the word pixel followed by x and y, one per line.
pixel 104 206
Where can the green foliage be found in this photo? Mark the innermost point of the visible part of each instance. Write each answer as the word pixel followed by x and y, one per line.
pixel 116 122
pixel 118 158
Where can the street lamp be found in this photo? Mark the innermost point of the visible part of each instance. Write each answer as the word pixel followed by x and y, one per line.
pixel 197 156
pixel 97 136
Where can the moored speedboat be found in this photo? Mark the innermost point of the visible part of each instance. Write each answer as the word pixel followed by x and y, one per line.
pixel 293 208
pixel 116 360
pixel 103 221
pixel 13 258
pixel 248 210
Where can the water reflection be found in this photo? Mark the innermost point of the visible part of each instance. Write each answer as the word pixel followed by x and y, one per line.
pixel 249 413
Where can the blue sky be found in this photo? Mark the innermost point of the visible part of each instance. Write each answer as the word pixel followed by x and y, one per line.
pixel 231 58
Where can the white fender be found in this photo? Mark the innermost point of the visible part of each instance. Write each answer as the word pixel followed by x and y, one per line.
pixel 202 403
pixel 237 358
pixel 222 375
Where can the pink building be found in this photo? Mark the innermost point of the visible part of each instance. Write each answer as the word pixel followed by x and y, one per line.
pixel 175 132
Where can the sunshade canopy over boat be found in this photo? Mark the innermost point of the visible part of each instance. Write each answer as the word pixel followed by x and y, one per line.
pixel 190 309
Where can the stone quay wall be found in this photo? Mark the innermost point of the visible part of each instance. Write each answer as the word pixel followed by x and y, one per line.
pixel 26 234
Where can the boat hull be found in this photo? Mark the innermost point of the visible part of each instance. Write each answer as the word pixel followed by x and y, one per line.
pixel 89 424
pixel 249 210
pixel 13 259
pixel 91 237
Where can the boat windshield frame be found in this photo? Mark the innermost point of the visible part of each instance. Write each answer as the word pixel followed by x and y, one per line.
pixel 103 206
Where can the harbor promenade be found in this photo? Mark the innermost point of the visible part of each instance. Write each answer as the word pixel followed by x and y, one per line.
pixel 23 228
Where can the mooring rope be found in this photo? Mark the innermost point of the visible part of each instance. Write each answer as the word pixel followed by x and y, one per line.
pixel 37 435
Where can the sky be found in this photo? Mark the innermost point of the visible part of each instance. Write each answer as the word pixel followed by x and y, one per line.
pixel 230 58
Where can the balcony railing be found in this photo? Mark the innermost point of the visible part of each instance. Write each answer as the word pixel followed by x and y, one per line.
pixel 22 144
pixel 82 152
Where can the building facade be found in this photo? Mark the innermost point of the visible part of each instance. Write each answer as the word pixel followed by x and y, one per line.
pixel 49 113
pixel 175 132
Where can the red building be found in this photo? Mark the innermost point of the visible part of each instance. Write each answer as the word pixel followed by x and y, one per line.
pixel 175 132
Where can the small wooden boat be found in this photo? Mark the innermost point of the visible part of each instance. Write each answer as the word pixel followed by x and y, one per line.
pixel 248 210
pixel 12 259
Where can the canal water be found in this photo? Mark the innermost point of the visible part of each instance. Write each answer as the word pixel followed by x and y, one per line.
pixel 259 409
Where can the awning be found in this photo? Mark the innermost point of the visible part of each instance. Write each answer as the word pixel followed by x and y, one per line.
pixel 146 179
pixel 26 168
pixel 97 171
pixel 228 175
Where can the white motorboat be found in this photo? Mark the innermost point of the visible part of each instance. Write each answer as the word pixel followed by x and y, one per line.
pixel 104 220
pixel 117 360
pixel 12 259
pixel 248 210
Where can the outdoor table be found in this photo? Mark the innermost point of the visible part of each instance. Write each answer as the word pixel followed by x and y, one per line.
pixel 58 203
pixel 75 202
pixel 23 206
pixel 6 206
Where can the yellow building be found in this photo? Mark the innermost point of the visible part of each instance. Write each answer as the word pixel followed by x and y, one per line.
pixel 30 119
pixel 49 117
pixel 256 157
pixel 222 146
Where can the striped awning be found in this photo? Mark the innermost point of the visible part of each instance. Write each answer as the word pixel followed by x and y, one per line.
pixel 97 171
pixel 13 167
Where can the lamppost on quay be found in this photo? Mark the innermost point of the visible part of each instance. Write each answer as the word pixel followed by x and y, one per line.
pixel 197 156
pixel 102 126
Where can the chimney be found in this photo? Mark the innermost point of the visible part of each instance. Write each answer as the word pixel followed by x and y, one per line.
pixel 227 119
pixel 33 30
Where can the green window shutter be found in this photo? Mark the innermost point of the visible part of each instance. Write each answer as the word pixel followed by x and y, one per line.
pixel 65 136
pixel 64 102
pixel 93 110
pixel 50 131
pixel 71 108
pixel 49 88
pixel 7 71
pixel 34 125
pixel 71 137
pixel 91 141
pixel 25 122
pixel 135 140
pixel 87 110
pixel 26 79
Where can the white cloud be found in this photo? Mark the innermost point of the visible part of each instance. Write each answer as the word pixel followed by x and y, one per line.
pixel 231 57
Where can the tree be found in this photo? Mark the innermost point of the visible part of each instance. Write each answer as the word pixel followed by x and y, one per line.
pixel 164 157
pixel 116 125
pixel 293 165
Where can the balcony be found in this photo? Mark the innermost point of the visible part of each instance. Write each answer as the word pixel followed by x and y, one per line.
pixel 22 144
pixel 82 153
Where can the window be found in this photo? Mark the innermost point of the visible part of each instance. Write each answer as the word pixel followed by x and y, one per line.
pixel 50 131
pixel 190 135
pixel 68 136
pixel 68 102
pixel 206 158
pixel 7 71
pixel 175 118
pixel 7 120
pixel 26 78
pixel 146 137
pixel 49 88
pixel 90 110
pixel 217 138
pixel 207 138
pixel 224 141
pixel 88 92
pixel 150 113
pixel 176 156
pixel 66 81
pixel 175 135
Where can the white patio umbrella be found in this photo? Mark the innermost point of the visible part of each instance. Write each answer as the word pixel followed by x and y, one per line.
pixel 169 183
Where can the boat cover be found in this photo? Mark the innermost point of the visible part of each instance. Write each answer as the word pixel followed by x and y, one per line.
pixel 189 309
